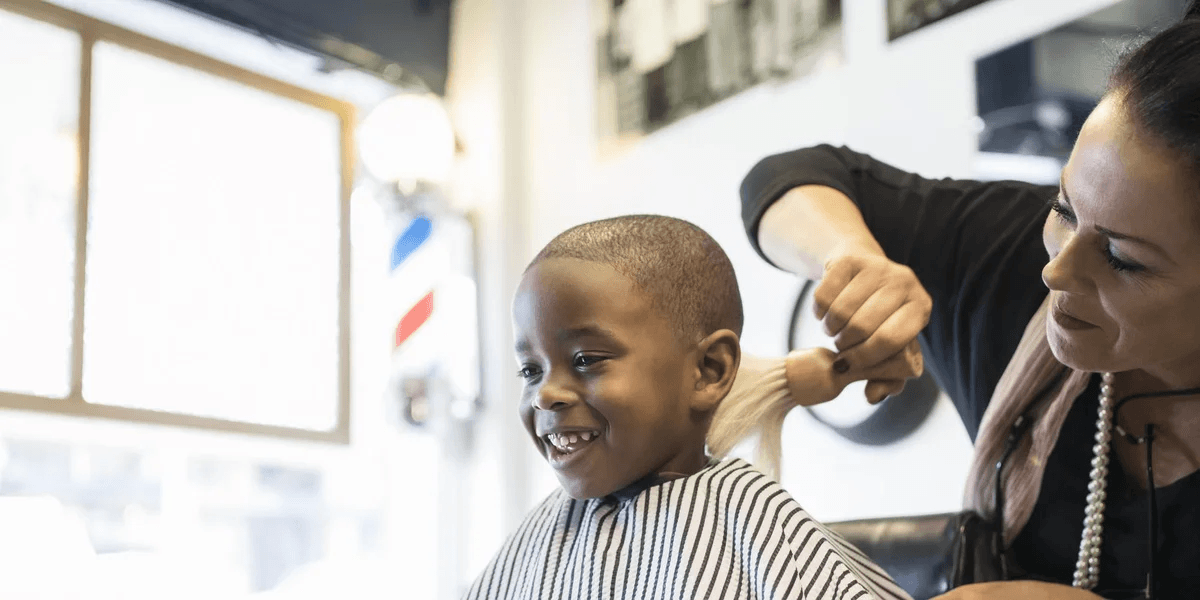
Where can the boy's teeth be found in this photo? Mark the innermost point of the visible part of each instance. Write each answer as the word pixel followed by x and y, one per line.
pixel 564 441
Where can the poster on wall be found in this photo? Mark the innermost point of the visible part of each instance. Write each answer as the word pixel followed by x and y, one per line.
pixel 907 16
pixel 661 60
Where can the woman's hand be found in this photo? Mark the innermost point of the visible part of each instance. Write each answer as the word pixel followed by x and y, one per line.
pixel 873 308
pixel 1018 590
pixel 813 380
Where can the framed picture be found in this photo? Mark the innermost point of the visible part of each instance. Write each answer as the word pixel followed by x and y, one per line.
pixel 660 60
pixel 907 16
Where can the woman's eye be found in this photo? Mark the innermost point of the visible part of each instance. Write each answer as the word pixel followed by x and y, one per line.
pixel 1121 265
pixel 1118 264
pixel 1064 213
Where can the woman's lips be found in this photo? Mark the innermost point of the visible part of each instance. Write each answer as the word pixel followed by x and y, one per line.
pixel 1066 321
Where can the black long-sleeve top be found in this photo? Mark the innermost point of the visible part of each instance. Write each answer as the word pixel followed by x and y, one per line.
pixel 976 247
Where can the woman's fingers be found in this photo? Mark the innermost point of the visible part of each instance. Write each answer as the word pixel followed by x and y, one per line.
pixel 866 320
pixel 1014 590
pixel 878 389
pixel 905 364
pixel 871 306
pixel 899 330
pixel 857 295
pixel 838 275
pixel 812 379
pixel 888 377
pixel 909 361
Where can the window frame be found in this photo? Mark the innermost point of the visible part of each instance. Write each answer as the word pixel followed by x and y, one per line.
pixel 90 32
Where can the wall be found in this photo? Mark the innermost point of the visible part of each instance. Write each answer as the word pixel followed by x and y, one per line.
pixel 910 103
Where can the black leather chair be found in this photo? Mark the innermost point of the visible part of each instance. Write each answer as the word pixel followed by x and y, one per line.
pixel 915 551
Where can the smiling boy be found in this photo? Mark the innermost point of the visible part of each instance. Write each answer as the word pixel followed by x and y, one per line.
pixel 627 341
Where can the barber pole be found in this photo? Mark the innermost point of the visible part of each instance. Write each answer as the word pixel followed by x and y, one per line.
pixel 435 354
pixel 416 235
pixel 434 322
pixel 412 280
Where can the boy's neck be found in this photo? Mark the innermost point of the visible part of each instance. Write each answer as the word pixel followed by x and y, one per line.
pixel 693 461
pixel 659 477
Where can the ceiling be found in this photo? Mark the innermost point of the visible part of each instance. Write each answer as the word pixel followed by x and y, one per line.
pixel 403 41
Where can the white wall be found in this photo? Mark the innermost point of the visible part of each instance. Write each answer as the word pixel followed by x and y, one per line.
pixel 910 103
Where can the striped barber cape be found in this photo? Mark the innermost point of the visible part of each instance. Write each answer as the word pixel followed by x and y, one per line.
pixel 726 532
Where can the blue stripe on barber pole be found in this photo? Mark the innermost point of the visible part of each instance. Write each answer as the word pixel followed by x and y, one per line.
pixel 416 234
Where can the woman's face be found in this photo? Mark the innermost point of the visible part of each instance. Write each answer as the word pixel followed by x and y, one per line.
pixel 1124 246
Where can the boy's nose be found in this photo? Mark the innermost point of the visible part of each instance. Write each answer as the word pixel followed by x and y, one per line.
pixel 554 397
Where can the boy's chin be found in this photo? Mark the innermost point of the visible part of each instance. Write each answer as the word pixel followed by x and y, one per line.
pixel 586 490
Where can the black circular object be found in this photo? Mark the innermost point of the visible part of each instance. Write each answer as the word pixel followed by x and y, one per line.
pixel 893 419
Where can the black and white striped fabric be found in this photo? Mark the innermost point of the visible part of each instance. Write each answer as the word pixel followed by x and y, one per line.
pixel 726 532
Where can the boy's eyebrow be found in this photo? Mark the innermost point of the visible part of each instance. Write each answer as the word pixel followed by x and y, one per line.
pixel 586 331
pixel 570 334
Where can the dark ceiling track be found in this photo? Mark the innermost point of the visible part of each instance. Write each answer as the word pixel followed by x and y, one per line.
pixel 405 43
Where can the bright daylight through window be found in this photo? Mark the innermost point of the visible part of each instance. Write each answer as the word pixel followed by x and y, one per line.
pixel 209 255
pixel 38 167
pixel 212 284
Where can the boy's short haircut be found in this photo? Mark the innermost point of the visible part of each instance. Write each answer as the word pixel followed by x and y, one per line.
pixel 681 268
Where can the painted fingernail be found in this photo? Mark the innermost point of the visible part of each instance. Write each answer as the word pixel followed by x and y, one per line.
pixel 840 366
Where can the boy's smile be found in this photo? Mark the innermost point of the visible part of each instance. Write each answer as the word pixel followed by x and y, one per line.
pixel 607 384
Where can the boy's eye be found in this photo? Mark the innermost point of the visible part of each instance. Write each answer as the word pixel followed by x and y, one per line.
pixel 583 361
pixel 528 372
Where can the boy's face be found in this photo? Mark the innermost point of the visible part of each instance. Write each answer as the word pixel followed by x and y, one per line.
pixel 607 386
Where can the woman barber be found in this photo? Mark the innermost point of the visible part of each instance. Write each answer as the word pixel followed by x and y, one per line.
pixel 1067 316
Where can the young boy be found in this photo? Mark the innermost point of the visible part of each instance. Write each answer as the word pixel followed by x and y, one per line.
pixel 627 340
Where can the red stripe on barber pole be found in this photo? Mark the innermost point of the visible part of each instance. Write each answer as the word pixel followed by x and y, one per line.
pixel 414 319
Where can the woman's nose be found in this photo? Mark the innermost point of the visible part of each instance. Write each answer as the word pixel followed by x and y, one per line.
pixel 1064 270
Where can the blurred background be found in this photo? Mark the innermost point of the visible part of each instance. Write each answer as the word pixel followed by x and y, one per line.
pixel 256 256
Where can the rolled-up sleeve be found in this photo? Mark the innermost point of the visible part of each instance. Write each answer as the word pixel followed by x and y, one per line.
pixel 975 246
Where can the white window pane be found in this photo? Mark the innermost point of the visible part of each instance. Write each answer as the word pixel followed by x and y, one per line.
pixel 38 170
pixel 212 284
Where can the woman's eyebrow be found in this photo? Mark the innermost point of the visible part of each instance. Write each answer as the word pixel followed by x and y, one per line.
pixel 1116 235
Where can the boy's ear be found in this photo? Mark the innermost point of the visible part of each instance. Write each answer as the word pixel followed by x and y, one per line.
pixel 718 357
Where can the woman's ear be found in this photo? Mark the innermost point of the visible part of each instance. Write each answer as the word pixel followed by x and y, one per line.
pixel 717 360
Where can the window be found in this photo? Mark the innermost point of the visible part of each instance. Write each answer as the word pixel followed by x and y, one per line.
pixel 38 167
pixel 214 233
pixel 212 247
pixel 175 250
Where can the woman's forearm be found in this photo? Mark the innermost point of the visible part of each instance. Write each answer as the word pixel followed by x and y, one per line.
pixel 811 225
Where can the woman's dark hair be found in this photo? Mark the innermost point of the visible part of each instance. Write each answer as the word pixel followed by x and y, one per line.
pixel 1161 83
